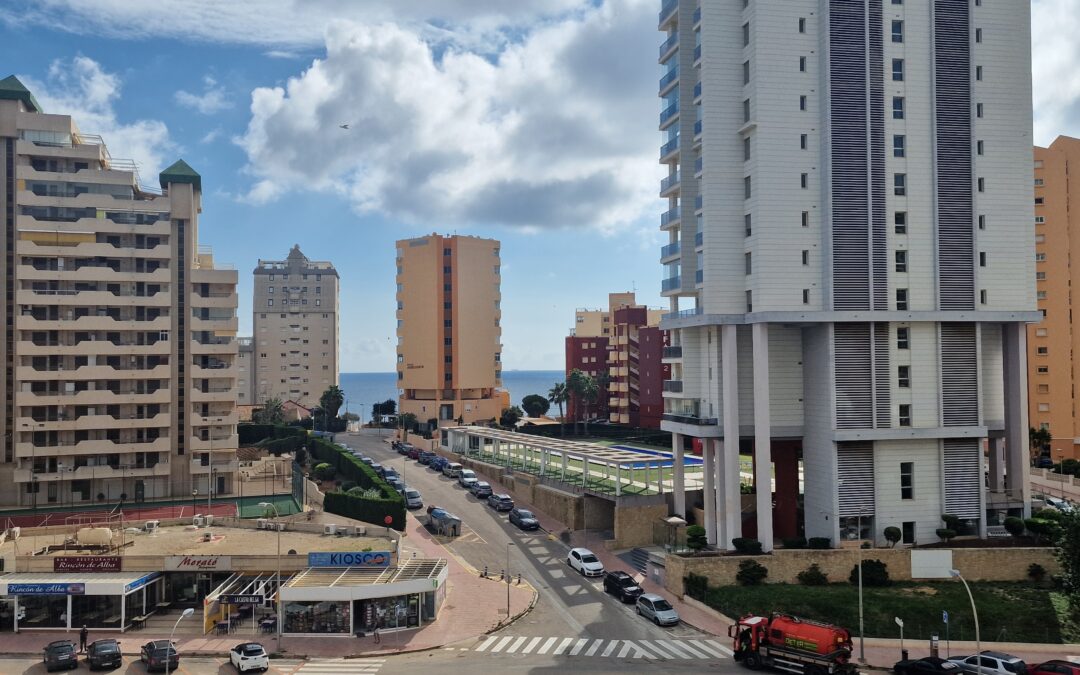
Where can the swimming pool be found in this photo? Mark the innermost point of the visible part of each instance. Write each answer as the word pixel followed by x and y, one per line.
pixel 667 462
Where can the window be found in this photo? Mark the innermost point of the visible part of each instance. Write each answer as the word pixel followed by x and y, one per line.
pixel 746 35
pixel 271 277
pixel 1044 407
pixel 269 289
pixel 746 149
pixel 1043 389
pixel 802 141
pixel 1038 201
pixel 903 338
pixel 901 299
pixel 982 258
pixel 908 526
pixel 982 222
pixel 905 416
pixel 802 25
pixel 749 301
pixel 1039 182
pixel 900 184
pixel 747 187
pixel 446 251
pixel 446 269
pixel 1040 276
pixel 1042 351
pixel 898 144
pixel 806 219
pixel 747 264
pixel 901 261
pixel 269 302
pixel 447 342
pixel 978 110
pixel 978 35
pixel 1043 370
pixel 900 222
pixel 447 323
pixel 982 184
pixel 898 70
pixel 747 222
pixel 802 64
pixel 804 180
pixel 898 107
pixel 446 288
pixel 897 31
pixel 802 102
pixel 806 296
pixel 1041 295
pixel 983 296
pixel 903 376
pixel 978 147
pixel 806 257
pixel 746 110
pixel 978 73
pixel 746 72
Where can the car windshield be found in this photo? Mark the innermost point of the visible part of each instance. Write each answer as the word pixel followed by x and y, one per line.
pixel 525 514
pixel 412 494
pixel 482 484
pixel 504 499
pixel 252 650
pixel 661 605
pixel 160 651
pixel 106 648
pixel 62 649
pixel 625 582
pixel 589 558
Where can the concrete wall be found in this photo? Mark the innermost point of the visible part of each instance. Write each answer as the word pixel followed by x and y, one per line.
pixel 989 564
pixel 634 525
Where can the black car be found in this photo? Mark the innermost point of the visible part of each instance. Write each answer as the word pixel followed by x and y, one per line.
pixel 154 653
pixel 104 654
pixel 425 457
pixel 481 489
pixel 501 502
pixel 622 586
pixel 524 519
pixel 60 654
pixel 926 666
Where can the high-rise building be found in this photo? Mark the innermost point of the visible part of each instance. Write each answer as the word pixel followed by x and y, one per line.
pixel 1053 342
pixel 119 376
pixel 449 341
pixel 849 260
pixel 295 330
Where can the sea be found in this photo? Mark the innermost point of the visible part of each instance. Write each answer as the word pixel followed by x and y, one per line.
pixel 363 389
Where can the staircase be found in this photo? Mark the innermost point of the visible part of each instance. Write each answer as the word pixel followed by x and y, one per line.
pixel 639 558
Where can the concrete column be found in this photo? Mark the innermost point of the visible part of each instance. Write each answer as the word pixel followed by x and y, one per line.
pixel 678 478
pixel 646 475
pixel 1014 360
pixel 584 471
pixel 660 476
pixel 709 492
pixel 563 456
pixel 618 480
pixel 495 451
pixel 762 437
pixel 997 463
pixel 544 452
pixel 729 460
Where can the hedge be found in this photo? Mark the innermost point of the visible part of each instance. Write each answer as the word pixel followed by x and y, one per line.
pixel 349 468
pixel 251 434
pixel 372 511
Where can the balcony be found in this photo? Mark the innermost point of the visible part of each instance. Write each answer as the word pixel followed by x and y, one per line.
pixel 673 386
pixel 669 45
pixel 697 53
pixel 673 352
pixel 697 16
pixel 668 150
pixel 699 203
pixel 668 114
pixel 671 217
pixel 671 284
pixel 231 466
pixel 669 80
pixel 697 91
pixel 670 251
pixel 699 164
pixel 697 128
pixel 670 183
pixel 699 277
pixel 93 473
pixel 668 10
pixel 699 239
pixel 690 419
pixel 693 311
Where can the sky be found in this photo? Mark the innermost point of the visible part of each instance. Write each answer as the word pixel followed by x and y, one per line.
pixel 529 121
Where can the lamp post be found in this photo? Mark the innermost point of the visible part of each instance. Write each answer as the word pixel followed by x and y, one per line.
pixel 862 631
pixel 508 545
pixel 277 575
pixel 975 614
pixel 185 614
pixel 194 494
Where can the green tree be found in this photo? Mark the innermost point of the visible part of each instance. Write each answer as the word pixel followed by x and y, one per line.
pixel 696 538
pixel 559 395
pixel 1038 442
pixel 1069 557
pixel 510 416
pixel 893 535
pixel 603 381
pixel 535 405
pixel 576 383
pixel 591 394
pixel 270 413
pixel 331 400
pixel 387 407
pixel 408 423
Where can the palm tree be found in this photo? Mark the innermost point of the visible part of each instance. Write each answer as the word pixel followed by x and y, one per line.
pixel 331 400
pixel 558 395
pixel 590 393
pixel 576 384
pixel 1038 440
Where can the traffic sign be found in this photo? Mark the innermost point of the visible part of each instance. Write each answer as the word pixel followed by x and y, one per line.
pixel 944 616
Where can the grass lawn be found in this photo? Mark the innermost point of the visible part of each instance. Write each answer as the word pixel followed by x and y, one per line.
pixel 1012 612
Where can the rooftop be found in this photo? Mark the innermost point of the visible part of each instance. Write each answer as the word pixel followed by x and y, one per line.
pixel 180 172
pixel 411 570
pixel 11 89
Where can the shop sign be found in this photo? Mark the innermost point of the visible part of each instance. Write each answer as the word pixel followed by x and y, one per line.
pixel 86 563
pixel 46 589
pixel 141 581
pixel 197 563
pixel 242 599
pixel 349 559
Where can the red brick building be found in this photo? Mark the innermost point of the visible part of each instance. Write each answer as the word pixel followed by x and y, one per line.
pixel 590 356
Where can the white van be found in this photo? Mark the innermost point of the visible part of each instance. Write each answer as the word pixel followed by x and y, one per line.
pixel 453 470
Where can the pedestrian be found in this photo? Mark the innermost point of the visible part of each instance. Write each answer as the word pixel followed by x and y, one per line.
pixel 375 633
pixel 83 635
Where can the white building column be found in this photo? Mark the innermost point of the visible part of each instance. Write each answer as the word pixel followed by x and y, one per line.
pixel 678 475
pixel 1014 362
pixel 997 464
pixel 618 480
pixel 563 456
pixel 729 459
pixel 709 494
pixel 762 437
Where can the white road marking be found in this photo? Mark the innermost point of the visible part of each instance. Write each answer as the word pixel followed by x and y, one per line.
pixel 562 646
pixel 517 643
pixel 707 648
pixel 593 647
pixel 502 643
pixel 546 646
pixel 487 643
pixel 610 648
pixel 580 644
pixel 532 645
pixel 676 648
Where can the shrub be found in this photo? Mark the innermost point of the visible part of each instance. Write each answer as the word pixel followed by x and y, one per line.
pixel 1044 530
pixel 893 535
pixel 364 493
pixel 696 538
pixel 747 546
pixel 874 573
pixel 794 542
pixel 820 543
pixel 1014 526
pixel 945 534
pixel 1049 513
pixel 324 471
pixel 813 576
pixel 751 573
pixel 300 455
pixel 696 586
pixel 347 485
pixel 1036 572
pixel 357 507
pixel 951 522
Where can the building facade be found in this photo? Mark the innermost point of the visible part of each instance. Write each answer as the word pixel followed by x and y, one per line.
pixel 295 330
pixel 850 259
pixel 449 340
pixel 1052 372
pixel 119 376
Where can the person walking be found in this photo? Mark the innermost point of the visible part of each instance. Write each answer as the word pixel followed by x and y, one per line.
pixel 375 633
pixel 83 635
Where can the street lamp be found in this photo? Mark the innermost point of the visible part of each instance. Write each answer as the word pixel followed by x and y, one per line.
pixel 508 545
pixel 185 614
pixel 974 613
pixel 277 577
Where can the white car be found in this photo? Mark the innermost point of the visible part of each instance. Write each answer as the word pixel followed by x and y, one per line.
pixel 248 656
pixel 467 478
pixel 1059 504
pixel 585 562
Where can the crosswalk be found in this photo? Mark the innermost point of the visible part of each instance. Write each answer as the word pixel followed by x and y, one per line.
pixel 668 650
pixel 340 667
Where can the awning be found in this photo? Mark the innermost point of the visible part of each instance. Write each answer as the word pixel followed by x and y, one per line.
pixel 104 583
pixel 359 583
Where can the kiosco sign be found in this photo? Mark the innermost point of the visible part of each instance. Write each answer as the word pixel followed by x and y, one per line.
pixel 349 559
pixel 197 563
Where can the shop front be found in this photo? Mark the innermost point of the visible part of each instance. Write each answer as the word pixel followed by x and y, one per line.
pixel 59 601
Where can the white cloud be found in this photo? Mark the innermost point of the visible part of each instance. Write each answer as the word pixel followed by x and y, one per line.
pixel 211 136
pixel 82 89
pixel 554 131
pixel 212 100
pixel 1055 52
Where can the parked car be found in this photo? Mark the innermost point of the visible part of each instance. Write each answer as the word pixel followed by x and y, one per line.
pixel 367 460
pixel 396 483
pixel 379 469
pixel 104 654
pixel 249 656
pixel 585 562
pixel 1062 505
pixel 414 453
pixel 1044 462
pixel 60 654
pixel 930 665
pixel 403 448
pixel 413 500
pixel 481 489
pixel 622 586
pixel 395 444
pixel 425 456
pixel 524 519
pixel 1055 667
pixel 437 463
pixel 154 653
pixel 452 469
pixel 389 472
pixel 501 502
pixel 466 478
pixel 993 663
pixel 653 607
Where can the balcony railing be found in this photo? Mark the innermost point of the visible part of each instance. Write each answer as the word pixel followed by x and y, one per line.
pixel 671 43
pixel 697 53
pixel 697 90
pixel 669 112
pixel 693 311
pixel 697 128
pixel 697 16
pixel 669 78
pixel 699 164
pixel 667 9
pixel 699 202
pixel 670 182
pixel 699 238
pixel 669 147
pixel 690 419
pixel 670 250
pixel 670 216
pixel 673 352
pixel 672 284
pixel 674 386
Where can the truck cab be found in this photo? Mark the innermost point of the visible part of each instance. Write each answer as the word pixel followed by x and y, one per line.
pixel 791 644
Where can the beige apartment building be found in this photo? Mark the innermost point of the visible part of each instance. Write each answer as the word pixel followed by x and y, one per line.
pixel 449 338
pixel 601 322
pixel 119 352
pixel 294 352
pixel 1053 343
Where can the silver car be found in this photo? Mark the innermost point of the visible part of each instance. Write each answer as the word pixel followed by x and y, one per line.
pixel 413 500
pixel 993 663
pixel 652 606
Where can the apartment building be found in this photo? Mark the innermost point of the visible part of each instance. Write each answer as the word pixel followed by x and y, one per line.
pixel 850 261
pixel 119 353
pixel 1052 370
pixel 295 330
pixel 245 369
pixel 449 339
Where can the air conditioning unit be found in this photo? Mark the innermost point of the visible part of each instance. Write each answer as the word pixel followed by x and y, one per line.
pixel 209 519
pixel 359 531
pixel 280 527
pixel 198 521
pixel 15 532
pixel 262 524
pixel 152 525
pixel 329 529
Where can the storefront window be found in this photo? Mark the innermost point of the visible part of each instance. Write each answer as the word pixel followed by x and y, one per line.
pixel 317 617
pixel 43 611
pixel 95 611
pixel 402 611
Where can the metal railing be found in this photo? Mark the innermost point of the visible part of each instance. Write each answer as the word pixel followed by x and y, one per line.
pixel 669 78
pixel 669 44
pixel 674 386
pixel 670 216
pixel 694 311
pixel 672 284
pixel 673 352
pixel 670 250
pixel 670 181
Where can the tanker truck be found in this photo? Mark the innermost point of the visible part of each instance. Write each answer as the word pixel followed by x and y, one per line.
pixel 791 644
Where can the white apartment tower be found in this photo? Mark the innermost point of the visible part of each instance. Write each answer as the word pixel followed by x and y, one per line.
pixel 118 377
pixel 851 259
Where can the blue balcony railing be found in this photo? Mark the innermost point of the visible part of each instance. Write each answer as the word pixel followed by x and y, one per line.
pixel 670 250
pixel 697 128
pixel 671 284
pixel 670 182
pixel 697 90
pixel 697 53
pixel 693 311
pixel 699 277
pixel 670 216
pixel 699 239
pixel 669 147
pixel 667 9
pixel 673 352
pixel 669 78
pixel 697 16
pixel 698 165
pixel 669 112
pixel 674 386
pixel 671 43
pixel 699 202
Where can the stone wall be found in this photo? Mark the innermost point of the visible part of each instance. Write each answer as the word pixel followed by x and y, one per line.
pixel 635 525
pixel 985 564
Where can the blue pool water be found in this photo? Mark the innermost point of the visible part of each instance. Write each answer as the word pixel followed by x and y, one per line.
pixel 669 461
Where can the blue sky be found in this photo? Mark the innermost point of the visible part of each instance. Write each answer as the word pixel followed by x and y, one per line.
pixel 530 121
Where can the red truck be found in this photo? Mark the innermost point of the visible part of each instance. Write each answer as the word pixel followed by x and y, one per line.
pixel 791 644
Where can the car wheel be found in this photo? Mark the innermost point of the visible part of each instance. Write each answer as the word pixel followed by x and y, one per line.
pixel 638 610
pixel 656 620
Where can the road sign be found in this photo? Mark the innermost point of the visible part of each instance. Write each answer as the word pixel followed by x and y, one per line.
pixel 899 621
pixel 944 616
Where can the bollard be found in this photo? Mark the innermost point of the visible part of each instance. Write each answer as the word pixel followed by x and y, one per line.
pixel 484 575
pixel 903 655
pixel 519 578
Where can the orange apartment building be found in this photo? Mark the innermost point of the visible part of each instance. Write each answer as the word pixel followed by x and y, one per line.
pixel 449 338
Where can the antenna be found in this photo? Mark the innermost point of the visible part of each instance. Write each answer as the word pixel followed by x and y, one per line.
pixel 633 286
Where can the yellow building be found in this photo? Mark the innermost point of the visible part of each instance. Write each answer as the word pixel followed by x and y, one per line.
pixel 449 338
